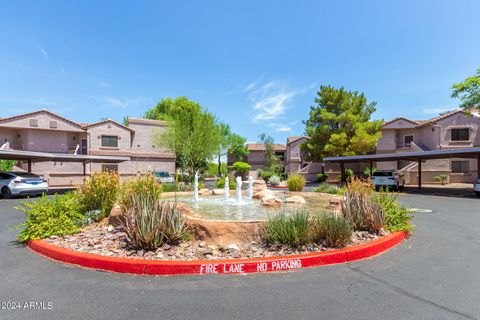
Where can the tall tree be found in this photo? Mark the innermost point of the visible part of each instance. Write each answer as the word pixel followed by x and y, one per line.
pixel 468 91
pixel 192 133
pixel 340 124
pixel 230 143
pixel 272 162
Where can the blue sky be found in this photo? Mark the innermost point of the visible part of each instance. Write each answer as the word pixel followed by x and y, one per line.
pixel 256 64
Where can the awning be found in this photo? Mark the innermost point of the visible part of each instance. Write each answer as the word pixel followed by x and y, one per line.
pixel 62 157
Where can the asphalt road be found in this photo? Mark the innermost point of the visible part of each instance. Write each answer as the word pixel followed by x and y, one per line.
pixel 435 274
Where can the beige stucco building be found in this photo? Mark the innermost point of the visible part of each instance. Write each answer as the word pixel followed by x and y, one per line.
pixel 44 131
pixel 453 130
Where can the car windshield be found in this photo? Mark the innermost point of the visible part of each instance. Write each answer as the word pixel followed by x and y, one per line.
pixel 383 174
pixel 25 175
pixel 162 174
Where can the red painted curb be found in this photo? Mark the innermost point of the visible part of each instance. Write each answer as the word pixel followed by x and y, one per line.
pixel 236 266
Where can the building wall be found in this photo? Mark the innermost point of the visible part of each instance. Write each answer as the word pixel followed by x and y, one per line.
pixel 96 132
pixel 146 133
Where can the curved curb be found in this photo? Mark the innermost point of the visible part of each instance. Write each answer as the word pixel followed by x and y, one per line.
pixel 230 266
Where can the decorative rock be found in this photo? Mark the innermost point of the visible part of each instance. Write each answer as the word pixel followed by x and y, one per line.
pixel 116 217
pixel 233 246
pixel 296 199
pixel 217 192
pixel 203 191
pixel 270 201
pixel 140 253
pixel 201 244
pixel 263 193
pixel 235 254
pixel 166 246
pixel 110 228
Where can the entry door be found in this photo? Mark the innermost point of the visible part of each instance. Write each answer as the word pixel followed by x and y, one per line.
pixel 84 146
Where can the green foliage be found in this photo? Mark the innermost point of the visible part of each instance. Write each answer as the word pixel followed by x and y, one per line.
pixel 272 162
pixel 56 216
pixel 149 223
pixel 180 186
pixel 441 178
pixel 230 143
pixel 291 230
pixel 146 185
pixel 340 124
pixel 241 167
pixel 397 217
pixel 213 170
pixel 348 173
pixel 100 192
pixel 295 182
pixel 329 188
pixel 237 147
pixel 468 91
pixel 274 180
pixel 321 177
pixel 7 165
pixel 336 231
pixel 192 133
pixel 221 183
pixel 265 174
pixel 367 171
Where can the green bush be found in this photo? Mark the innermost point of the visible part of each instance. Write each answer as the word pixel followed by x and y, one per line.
pixel 291 230
pixel 321 177
pixel 221 183
pixel 348 173
pixel 274 180
pixel 441 178
pixel 150 224
pixel 367 171
pixel 265 174
pixel 397 217
pixel 295 182
pixel 336 231
pixel 329 188
pixel 180 187
pixel 145 184
pixel 241 167
pixel 56 216
pixel 100 192
pixel 7 165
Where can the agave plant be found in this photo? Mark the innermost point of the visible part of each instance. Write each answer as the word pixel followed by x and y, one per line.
pixel 150 224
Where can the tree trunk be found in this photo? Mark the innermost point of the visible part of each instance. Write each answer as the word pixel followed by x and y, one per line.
pixel 219 166
pixel 343 177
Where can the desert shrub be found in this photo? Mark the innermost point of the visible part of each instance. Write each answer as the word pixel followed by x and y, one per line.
pixel 295 182
pixel 265 174
pixel 180 187
pixel 287 229
pixel 145 184
pixel 397 217
pixel 221 183
pixel 363 186
pixel 150 224
pixel 348 173
pixel 369 172
pixel 56 216
pixel 274 180
pixel 362 212
pixel 329 188
pixel 241 167
pixel 100 192
pixel 7 165
pixel 441 178
pixel 336 231
pixel 321 177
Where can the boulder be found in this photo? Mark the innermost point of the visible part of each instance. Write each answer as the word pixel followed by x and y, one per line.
pixel 203 191
pixel 296 199
pixel 270 201
pixel 217 191
pixel 262 194
pixel 259 185
pixel 116 217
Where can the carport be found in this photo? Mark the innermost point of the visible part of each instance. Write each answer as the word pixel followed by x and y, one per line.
pixel 418 156
pixel 33 156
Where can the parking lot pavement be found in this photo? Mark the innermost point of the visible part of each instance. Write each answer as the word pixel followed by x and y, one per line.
pixel 432 275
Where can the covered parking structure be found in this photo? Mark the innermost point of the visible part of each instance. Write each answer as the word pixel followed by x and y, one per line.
pixel 418 156
pixel 33 156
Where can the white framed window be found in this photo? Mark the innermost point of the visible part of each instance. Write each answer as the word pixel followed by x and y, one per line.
pixel 408 139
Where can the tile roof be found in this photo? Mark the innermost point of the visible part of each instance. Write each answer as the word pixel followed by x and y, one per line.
pixel 294 138
pixel 420 123
pixel 261 147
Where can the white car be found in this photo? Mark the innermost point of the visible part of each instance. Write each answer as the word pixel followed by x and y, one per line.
pixel 21 183
pixel 476 187
pixel 388 179
pixel 164 177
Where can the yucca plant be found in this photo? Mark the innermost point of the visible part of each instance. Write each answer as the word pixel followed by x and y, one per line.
pixel 287 229
pixel 362 212
pixel 150 224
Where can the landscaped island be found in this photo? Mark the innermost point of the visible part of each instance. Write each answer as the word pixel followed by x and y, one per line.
pixel 145 225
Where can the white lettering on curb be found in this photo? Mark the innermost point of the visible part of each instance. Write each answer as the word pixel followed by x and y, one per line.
pixel 209 268
pixel 279 265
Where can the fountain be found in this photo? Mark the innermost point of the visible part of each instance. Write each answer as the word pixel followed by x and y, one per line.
pixel 195 188
pixel 226 189
pixel 250 187
pixel 239 189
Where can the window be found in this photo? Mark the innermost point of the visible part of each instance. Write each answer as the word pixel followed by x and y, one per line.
pixel 53 124
pixel 33 123
pixel 110 167
pixel 407 140
pixel 460 167
pixel 460 134
pixel 110 141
